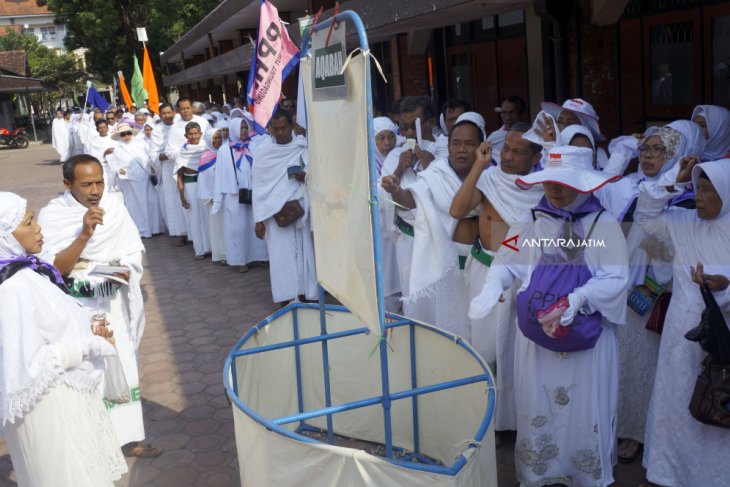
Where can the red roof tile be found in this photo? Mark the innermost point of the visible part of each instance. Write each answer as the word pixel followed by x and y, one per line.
pixel 21 7
pixel 14 61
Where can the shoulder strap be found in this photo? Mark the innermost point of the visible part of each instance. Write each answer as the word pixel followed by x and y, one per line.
pixel 590 232
pixel 233 161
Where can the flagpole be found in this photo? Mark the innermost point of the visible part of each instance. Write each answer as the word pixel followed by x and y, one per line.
pixel 86 98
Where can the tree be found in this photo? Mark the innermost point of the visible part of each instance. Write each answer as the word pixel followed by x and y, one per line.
pixel 107 29
pixel 62 69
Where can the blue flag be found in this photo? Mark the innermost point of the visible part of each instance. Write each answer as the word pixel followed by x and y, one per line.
pixel 96 100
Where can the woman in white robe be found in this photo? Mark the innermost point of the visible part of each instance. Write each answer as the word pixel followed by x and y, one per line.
pixel 234 173
pixel 53 418
pixel 679 450
pixel 659 152
pixel 566 400
pixel 206 188
pixel 385 141
pixel 131 162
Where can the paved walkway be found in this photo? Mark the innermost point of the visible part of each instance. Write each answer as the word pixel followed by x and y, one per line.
pixel 196 311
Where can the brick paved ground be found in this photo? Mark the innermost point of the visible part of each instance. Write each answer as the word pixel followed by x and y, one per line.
pixel 196 311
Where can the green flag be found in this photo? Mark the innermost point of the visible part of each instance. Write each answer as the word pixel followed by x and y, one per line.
pixel 139 95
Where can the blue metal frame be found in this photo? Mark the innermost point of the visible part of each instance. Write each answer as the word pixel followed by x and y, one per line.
pixel 386 398
pixel 231 384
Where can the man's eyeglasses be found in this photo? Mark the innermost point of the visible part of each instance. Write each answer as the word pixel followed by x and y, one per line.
pixel 126 134
pixel 652 150
pixel 109 119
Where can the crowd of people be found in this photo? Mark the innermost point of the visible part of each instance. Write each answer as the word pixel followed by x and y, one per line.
pixel 571 268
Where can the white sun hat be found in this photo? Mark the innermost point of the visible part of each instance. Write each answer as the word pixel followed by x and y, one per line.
pixel 571 167
pixel 584 110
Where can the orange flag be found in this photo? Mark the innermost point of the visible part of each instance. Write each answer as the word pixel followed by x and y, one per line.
pixel 123 87
pixel 149 83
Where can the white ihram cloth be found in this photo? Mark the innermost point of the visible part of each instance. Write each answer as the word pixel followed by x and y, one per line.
pixel 95 146
pixel 290 248
pixel 494 335
pixel 403 243
pixel 566 403
pixel 117 240
pixel 131 163
pixel 496 138
pixel 60 136
pixel 51 414
pixel 437 290
pixel 172 209
pixel 206 190
pixel 679 450
pixel 197 217
pixel 242 245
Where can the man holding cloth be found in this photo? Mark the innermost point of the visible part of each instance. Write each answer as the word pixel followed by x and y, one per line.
pixel 86 227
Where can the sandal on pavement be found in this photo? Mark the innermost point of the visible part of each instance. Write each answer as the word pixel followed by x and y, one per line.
pixel 243 268
pixel 140 450
pixel 628 450
pixel 200 257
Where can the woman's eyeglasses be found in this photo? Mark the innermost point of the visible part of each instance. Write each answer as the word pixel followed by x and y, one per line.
pixel 126 134
pixel 652 150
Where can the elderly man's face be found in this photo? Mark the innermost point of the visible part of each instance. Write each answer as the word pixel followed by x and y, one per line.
pixel 462 148
pixel 185 109
pixel 103 129
pixel 87 186
pixel 111 118
pixel 281 130
pixel 167 114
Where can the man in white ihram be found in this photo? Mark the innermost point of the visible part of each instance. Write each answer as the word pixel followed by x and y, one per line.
pixel 86 227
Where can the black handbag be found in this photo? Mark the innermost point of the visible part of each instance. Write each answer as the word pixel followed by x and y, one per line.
pixel 710 401
pixel 245 195
pixel 154 180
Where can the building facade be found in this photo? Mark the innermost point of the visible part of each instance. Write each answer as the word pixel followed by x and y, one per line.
pixel 639 62
pixel 27 17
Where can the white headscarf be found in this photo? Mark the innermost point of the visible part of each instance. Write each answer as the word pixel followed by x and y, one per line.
pixel 566 136
pixel 382 124
pixel 719 174
pixel 12 210
pixel 718 127
pixel 208 136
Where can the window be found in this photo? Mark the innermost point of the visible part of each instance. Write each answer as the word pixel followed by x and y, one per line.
pixel 672 64
pixel 721 60
pixel 30 31
pixel 48 33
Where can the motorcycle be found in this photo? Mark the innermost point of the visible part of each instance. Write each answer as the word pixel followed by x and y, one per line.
pixel 17 139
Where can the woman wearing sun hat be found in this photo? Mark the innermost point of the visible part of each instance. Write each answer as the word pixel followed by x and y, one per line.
pixel 571 260
pixel 131 162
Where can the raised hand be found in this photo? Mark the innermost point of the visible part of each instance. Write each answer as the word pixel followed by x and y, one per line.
pixel 94 216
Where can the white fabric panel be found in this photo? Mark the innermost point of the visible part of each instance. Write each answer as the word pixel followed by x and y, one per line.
pixel 340 194
pixel 447 419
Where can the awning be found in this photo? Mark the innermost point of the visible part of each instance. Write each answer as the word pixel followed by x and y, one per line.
pixel 20 84
pixel 382 22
